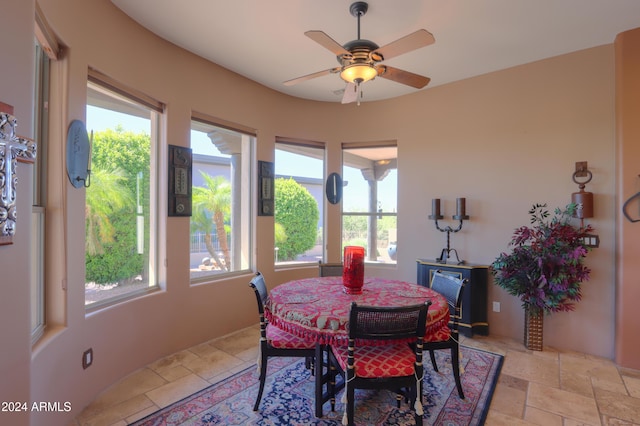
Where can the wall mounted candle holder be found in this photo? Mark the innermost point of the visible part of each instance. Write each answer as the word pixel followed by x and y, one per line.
pixel 461 215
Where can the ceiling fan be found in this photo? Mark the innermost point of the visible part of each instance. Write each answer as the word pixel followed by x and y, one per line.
pixel 360 60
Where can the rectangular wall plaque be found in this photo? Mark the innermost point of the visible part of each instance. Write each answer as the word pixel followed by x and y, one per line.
pixel 180 170
pixel 266 188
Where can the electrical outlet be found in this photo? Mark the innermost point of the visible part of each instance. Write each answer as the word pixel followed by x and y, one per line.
pixel 496 306
pixel 87 358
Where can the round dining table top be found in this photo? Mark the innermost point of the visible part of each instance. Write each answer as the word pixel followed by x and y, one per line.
pixel 317 309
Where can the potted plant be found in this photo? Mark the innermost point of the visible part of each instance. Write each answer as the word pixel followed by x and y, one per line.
pixel 545 267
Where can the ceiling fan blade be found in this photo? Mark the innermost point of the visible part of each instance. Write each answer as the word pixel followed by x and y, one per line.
pixel 310 76
pixel 413 41
pixel 403 77
pixel 350 93
pixel 327 42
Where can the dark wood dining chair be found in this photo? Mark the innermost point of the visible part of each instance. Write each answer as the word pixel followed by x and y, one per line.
pixel 391 365
pixel 329 269
pixel 275 342
pixel 451 287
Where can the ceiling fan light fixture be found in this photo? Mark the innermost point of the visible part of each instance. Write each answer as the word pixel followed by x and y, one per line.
pixel 358 73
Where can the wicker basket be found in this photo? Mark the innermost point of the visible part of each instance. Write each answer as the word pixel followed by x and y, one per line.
pixel 533 321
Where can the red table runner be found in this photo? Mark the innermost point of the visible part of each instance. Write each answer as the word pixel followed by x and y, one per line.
pixel 317 309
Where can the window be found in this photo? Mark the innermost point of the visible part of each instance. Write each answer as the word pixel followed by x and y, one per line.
pixel 369 206
pixel 121 202
pixel 221 203
pixel 299 195
pixel 46 50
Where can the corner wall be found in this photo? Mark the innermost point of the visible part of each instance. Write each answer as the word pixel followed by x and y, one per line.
pixel 627 47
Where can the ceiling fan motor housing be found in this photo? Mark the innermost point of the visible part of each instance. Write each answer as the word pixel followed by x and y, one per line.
pixel 360 51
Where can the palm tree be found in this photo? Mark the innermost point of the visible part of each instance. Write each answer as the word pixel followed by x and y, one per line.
pixel 107 195
pixel 212 202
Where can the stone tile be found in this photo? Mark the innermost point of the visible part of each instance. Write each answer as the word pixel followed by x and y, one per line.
pixel 618 387
pixel 249 355
pixel 541 417
pixel 576 383
pixel 618 406
pixel 633 385
pixel 513 382
pixel 214 364
pixel 539 369
pixel 563 403
pixel 204 349
pixel 175 391
pixel 141 414
pixel 598 368
pixel 572 422
pixel 131 386
pixel 179 358
pixel 173 373
pixel 611 421
pixel 245 339
pixel 508 400
pixel 628 372
pixel 496 418
pixel 116 413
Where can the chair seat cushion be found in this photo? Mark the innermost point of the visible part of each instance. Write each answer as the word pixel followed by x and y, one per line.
pixel 393 360
pixel 279 338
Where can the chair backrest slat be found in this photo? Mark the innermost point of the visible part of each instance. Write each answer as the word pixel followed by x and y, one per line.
pixel 383 323
pixel 451 287
pixel 329 269
pixel 260 287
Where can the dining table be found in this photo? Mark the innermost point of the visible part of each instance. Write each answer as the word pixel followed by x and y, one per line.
pixel 317 309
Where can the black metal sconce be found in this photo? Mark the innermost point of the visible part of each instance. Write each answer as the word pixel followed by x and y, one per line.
pixel 461 215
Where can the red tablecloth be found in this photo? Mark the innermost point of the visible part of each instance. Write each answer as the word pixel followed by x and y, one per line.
pixel 317 309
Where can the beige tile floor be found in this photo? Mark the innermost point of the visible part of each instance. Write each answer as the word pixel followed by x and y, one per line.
pixel 548 388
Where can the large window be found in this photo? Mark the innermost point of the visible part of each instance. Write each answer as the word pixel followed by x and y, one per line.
pixel 46 51
pixel 121 201
pixel 221 204
pixel 41 115
pixel 299 196
pixel 369 206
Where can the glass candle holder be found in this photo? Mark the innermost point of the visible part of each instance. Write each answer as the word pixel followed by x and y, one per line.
pixel 353 269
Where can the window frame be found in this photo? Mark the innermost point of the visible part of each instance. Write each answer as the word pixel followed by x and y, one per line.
pixel 372 213
pixel 157 180
pixel 300 145
pixel 46 50
pixel 246 253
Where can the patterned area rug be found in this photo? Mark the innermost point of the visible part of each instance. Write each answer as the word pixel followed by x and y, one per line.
pixel 288 397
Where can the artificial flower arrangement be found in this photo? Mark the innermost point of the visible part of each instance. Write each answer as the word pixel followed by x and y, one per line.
pixel 546 265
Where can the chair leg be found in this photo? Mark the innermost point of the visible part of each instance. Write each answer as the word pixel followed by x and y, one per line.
pixel 263 378
pixel 351 395
pixel 432 355
pixel 416 394
pixel 455 361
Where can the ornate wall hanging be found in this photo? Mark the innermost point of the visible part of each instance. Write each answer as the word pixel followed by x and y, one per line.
pixel 13 148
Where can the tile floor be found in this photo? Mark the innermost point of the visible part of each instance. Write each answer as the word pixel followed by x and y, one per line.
pixel 548 388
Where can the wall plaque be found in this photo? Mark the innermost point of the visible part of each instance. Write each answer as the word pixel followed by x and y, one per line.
pixel 180 169
pixel 13 149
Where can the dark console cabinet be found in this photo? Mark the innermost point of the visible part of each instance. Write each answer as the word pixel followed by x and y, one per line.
pixel 474 296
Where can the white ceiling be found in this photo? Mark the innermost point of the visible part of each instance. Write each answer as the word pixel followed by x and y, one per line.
pixel 264 40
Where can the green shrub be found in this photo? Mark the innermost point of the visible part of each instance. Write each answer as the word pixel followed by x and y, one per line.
pixel 297 211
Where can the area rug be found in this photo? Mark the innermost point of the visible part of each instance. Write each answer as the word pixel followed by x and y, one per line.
pixel 288 397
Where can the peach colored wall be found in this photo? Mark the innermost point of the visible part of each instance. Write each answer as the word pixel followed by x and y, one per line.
pixel 504 140
pixel 627 47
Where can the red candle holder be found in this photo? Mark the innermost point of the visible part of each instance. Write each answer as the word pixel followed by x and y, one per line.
pixel 353 270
